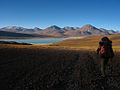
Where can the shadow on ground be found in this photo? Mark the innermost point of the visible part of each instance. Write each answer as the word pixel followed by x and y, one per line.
pixel 56 69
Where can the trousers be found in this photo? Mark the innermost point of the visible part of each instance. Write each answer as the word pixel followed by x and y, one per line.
pixel 104 62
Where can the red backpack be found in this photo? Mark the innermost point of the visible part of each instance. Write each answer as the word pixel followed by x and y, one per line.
pixel 106 49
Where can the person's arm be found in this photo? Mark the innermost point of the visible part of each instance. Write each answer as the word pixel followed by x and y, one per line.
pixel 99 48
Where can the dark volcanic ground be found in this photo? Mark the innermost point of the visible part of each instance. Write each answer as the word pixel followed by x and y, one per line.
pixel 55 69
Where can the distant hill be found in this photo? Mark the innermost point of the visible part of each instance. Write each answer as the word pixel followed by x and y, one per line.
pixel 86 30
pixel 52 31
pixel 55 31
pixel 13 42
pixel 13 29
pixel 6 34
pixel 13 34
pixel 20 29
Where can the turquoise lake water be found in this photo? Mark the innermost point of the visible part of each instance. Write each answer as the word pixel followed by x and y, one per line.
pixel 35 41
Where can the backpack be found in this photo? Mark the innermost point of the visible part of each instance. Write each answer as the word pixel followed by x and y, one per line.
pixel 106 49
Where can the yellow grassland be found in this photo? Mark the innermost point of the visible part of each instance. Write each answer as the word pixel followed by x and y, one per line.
pixel 90 43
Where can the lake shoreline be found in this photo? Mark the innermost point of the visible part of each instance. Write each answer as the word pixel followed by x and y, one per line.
pixel 42 37
pixel 40 41
pixel 33 41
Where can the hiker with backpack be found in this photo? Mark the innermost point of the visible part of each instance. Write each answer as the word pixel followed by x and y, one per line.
pixel 106 52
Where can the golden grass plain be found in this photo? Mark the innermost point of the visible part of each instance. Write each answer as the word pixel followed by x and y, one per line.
pixel 90 43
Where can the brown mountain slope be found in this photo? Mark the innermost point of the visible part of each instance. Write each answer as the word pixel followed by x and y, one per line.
pixel 55 31
pixel 20 29
pixel 4 35
pixel 52 31
pixel 91 30
pixel 13 34
pixel 87 30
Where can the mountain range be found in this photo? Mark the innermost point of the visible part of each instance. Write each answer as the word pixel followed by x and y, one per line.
pixel 55 31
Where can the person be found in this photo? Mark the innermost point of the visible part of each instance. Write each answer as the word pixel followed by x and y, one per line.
pixel 106 52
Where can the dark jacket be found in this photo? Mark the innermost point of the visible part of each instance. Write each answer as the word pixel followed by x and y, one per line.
pixel 108 51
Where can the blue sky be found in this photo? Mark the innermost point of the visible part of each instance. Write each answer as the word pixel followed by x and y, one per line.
pixel 75 13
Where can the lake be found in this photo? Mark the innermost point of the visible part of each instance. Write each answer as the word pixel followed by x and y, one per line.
pixel 35 41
